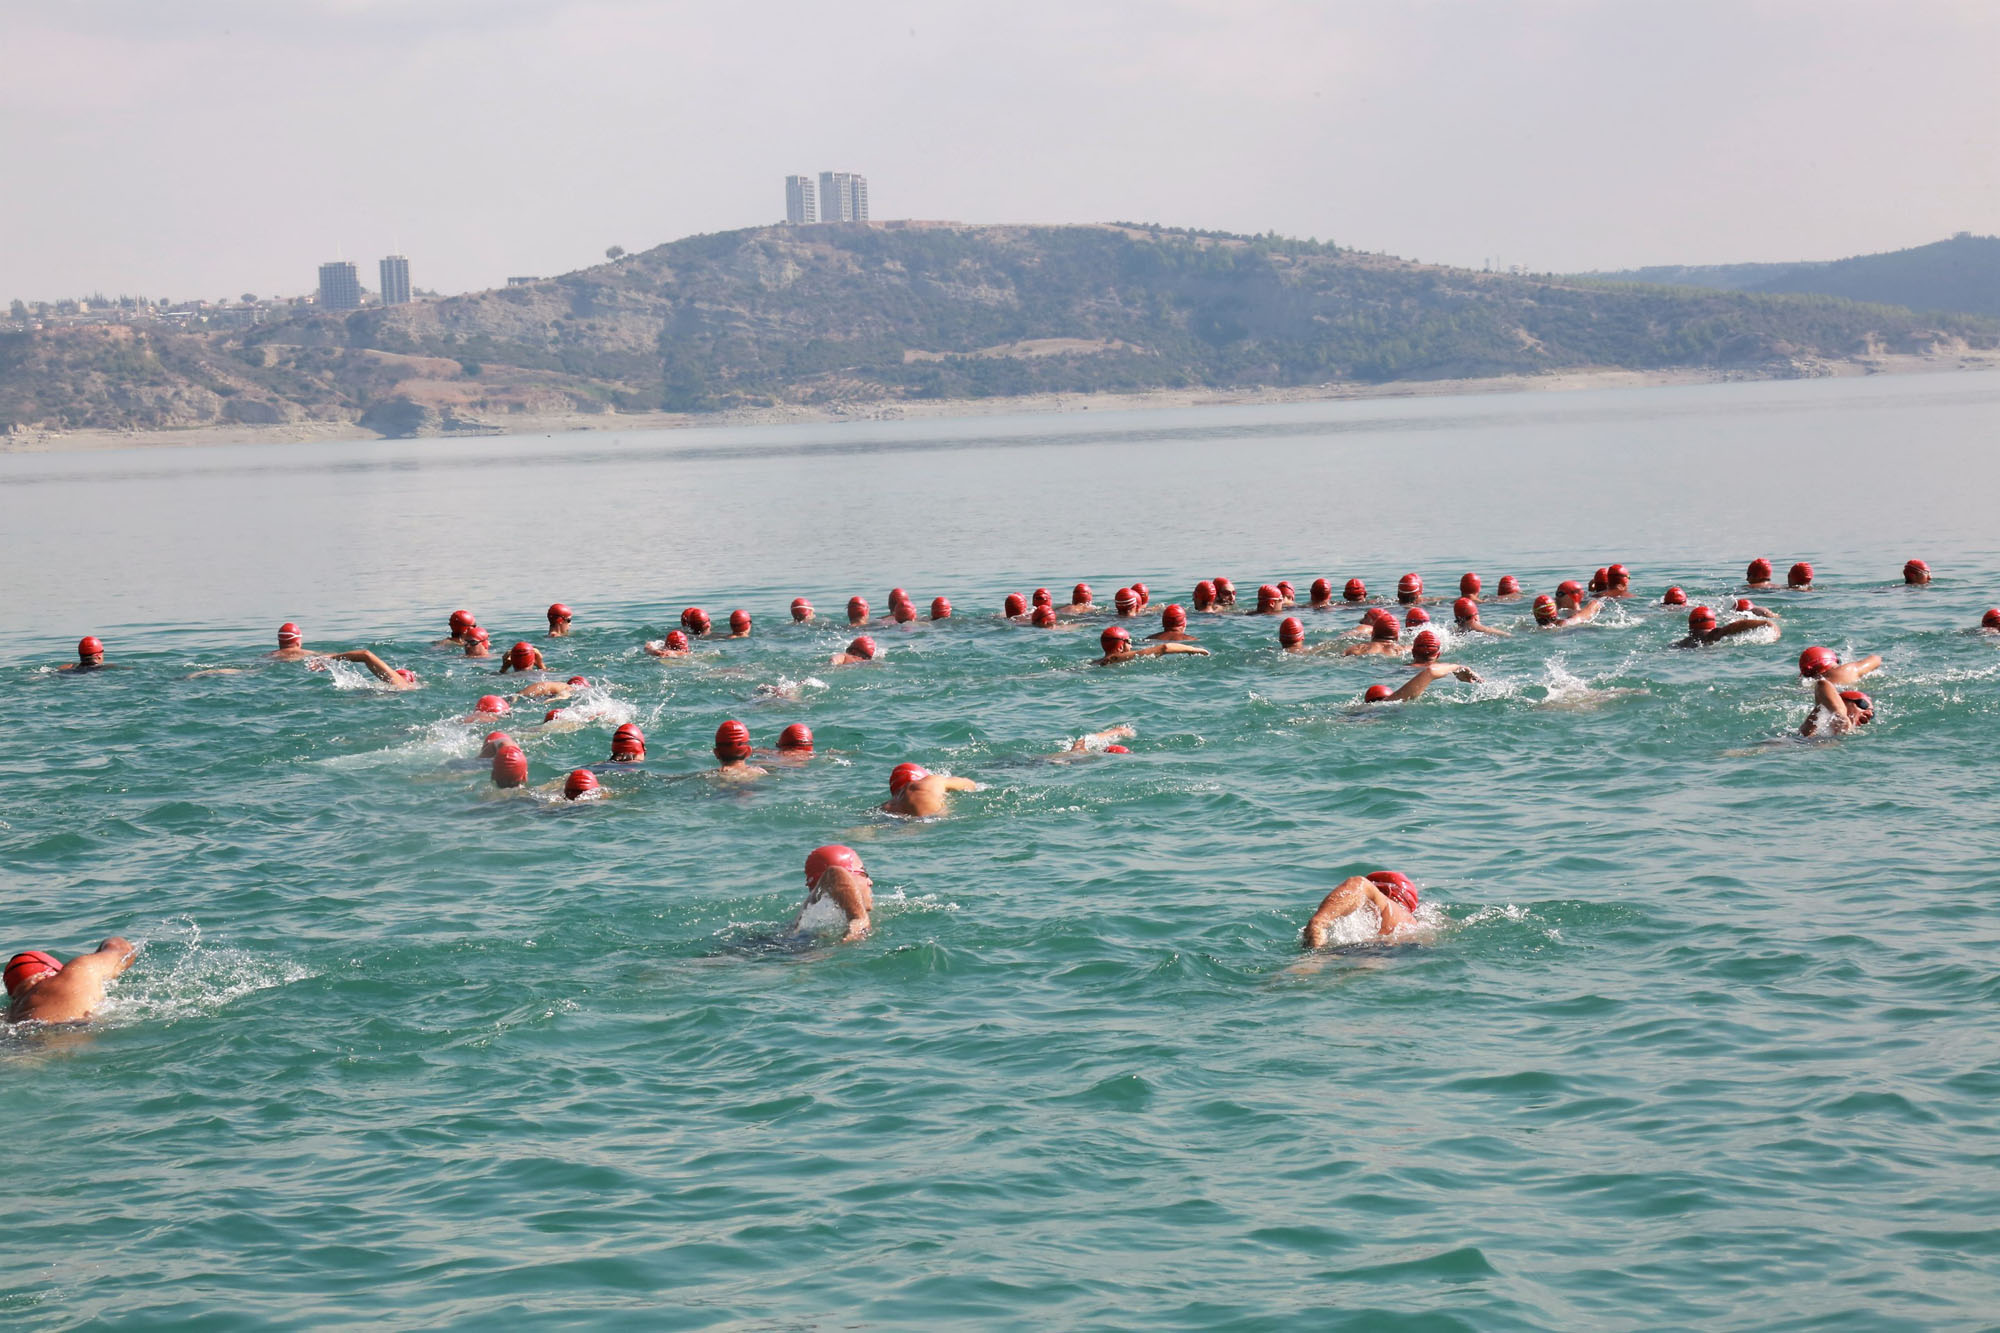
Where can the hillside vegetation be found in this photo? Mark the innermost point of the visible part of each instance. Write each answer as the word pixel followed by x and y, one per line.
pixel 841 313
pixel 1961 274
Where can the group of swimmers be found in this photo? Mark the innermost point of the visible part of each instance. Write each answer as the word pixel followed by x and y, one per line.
pixel 41 988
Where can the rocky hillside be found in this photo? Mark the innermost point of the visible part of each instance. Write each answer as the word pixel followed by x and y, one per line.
pixel 848 312
pixel 1961 274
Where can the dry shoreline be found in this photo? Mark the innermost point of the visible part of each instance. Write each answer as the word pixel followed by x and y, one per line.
pixel 33 441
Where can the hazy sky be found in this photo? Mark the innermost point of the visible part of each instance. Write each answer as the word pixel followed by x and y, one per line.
pixel 208 147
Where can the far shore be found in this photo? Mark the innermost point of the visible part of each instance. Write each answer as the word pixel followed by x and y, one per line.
pixel 38 441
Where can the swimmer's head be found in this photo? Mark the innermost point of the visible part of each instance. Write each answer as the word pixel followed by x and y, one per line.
pixel 1545 610
pixel 494 740
pixel 1203 595
pixel 1377 614
pixel 1080 595
pixel 898 595
pixel 1225 589
pixel 407 676
pixel 902 775
pixel 1569 588
pixel 1673 597
pixel 1387 630
pixel 510 766
pixel 1395 884
pixel 1287 591
pixel 732 741
pixel 903 612
pixel 521 656
pixel 289 636
pixel 1600 580
pixel 1290 632
pixel 940 608
pixel 832 857
pixel 1991 620
pixel 1816 661
pixel 1916 571
pixel 739 621
pixel 1015 605
pixel 580 782
pixel 695 620
pixel 1115 639
pixel 25 969
pixel 1268 597
pixel 1465 611
pixel 862 647
pixel 475 634
pixel 1145 593
pixel 1701 620
pixel 1376 694
pixel 1860 708
pixel 1126 601
pixel 552 715
pixel 89 648
pixel 802 610
pixel 1468 585
pixel 677 641
pixel 1799 576
pixel 460 622
pixel 798 738
pixel 1745 604
pixel 1758 572
pixel 1115 749
pixel 1617 574
pixel 1417 616
pixel 1041 597
pixel 1322 592
pixel 628 742
pixel 559 614
pixel 1409 588
pixel 1509 586
pixel 857 610
pixel 1355 591
pixel 1426 646
pixel 1174 617
pixel 1044 617
pixel 492 704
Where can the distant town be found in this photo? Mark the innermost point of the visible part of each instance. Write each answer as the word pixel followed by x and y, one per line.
pixel 837 196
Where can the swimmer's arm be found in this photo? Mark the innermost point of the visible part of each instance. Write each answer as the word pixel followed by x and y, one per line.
pixel 1481 627
pixel 1342 900
pixel 1587 612
pixel 1413 687
pixel 1735 627
pixel 84 977
pixel 1466 674
pixel 847 898
pixel 376 665
pixel 1867 665
pixel 960 784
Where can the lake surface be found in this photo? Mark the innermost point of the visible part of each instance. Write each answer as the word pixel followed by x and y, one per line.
pixel 1703 1035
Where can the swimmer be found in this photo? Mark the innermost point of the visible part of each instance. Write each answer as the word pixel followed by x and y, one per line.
pixel 862 649
pixel 459 622
pixel 918 793
pixel 1468 585
pixel 1041 597
pixel 559 618
pixel 1225 592
pixel 554 689
pixel 1044 617
pixel 674 645
pixel 1990 622
pixel 1916 573
pixel 1617 581
pixel 1354 593
pixel 835 874
pixel 1570 604
pixel 1202 599
pixel 1465 615
pixel 1704 632
pixel 940 608
pixel 1509 589
pixel 291 647
pixel 1145 594
pixel 1292 639
pixel 802 611
pixel 478 643
pixel 1080 602
pixel 1288 595
pixel 1416 618
pixel 1014 607
pixel 1125 602
pixel 510 767
pixel 1548 617
pixel 494 740
pixel 1100 742
pixel 89 656
pixel 1321 594
pixel 1424 652
pixel 42 990
pixel 732 753
pixel 396 678
pixel 1410 589
pixel 1860 712
pixel 628 745
pixel 489 705
pixel 1390 893
pixel 1758 574
pixel 795 742
pixel 857 610
pixel 903 612
pixel 582 783
pixel 1173 625
pixel 1799 577
pixel 739 624
pixel 1366 625
pixel 1116 641
pixel 695 621
pixel 1830 675
pixel 523 656
pixel 1270 602
pixel 1385 639
pixel 1673 597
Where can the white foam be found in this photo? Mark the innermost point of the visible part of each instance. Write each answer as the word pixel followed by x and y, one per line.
pixel 177 976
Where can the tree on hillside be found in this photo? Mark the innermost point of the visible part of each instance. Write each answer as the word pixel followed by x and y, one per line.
pixel 614 252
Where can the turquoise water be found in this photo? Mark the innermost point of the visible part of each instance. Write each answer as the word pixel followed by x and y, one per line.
pixel 1704 1037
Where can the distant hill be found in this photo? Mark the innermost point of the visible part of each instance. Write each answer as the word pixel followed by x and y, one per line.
pixel 1961 274
pixel 847 313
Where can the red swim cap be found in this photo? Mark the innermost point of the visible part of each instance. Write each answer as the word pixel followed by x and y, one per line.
pixel 1916 571
pixel 1174 617
pixel 1465 610
pixel 732 740
pixel 1817 661
pixel 1701 620
pixel 494 704
pixel 1758 572
pixel 1674 597
pixel 552 715
pixel 477 635
pixel 863 646
pixel 1204 593
pixel 1285 587
pixel 1569 588
pixel 1268 598
pixel 1079 595
pixel 1376 694
pixel 1745 604
pixel 1799 576
pixel 1015 605
pixel 1045 616
pixel 1115 639
pixel 897 595
pixel 580 680
pixel 1387 630
pixel 1417 616
pixel 1395 884
pixel 1600 579
pixel 1224 587
pixel 832 857
pixel 628 742
pixel 1617 574
pixel 1126 601
pixel 30 966
pixel 677 641
pixel 940 609
pixel 801 609
pixel 408 676
pixel 521 656
pixel 1860 708
pixel 1991 620
pixel 902 775
pixel 857 610
pixel 580 781
pixel 1509 586
pixel 557 611
pixel 1290 632
pixel 461 621
pixel 1410 583
pixel 739 621
pixel 288 635
pixel 1377 614
pixel 1468 585
pixel 1426 646
pixel 1545 608
pixel 494 740
pixel 1115 749
pixel 798 736
pixel 89 646
pixel 1042 598
pixel 1145 593
pixel 1356 591
pixel 903 612
pixel 510 767
pixel 1322 591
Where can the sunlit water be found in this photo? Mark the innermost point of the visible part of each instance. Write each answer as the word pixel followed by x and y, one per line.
pixel 1703 1036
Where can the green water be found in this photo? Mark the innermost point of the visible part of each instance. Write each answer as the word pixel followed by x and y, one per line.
pixel 1703 1036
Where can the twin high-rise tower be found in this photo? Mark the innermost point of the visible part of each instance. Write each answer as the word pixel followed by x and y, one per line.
pixel 340 283
pixel 842 196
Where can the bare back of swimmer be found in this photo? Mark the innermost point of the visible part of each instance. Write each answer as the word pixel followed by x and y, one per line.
pixel 70 994
pixel 917 793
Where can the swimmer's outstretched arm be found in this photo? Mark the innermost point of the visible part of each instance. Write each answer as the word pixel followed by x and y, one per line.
pixel 1345 898
pixel 376 665
pixel 1162 649
pixel 960 784
pixel 1123 731
pixel 846 895
pixel 1735 627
